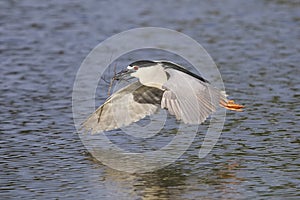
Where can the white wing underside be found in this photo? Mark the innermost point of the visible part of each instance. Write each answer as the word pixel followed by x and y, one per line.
pixel 189 99
pixel 118 111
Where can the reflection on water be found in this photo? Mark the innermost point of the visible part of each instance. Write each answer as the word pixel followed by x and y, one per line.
pixel 173 183
pixel 255 45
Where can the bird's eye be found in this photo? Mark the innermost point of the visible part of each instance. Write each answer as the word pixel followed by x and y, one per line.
pixel 133 67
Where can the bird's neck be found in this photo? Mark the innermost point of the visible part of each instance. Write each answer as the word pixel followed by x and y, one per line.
pixel 152 76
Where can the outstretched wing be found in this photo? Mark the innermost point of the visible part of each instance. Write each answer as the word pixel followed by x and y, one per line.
pixel 128 105
pixel 188 98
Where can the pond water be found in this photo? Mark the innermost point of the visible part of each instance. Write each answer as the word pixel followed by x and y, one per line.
pixel 256 47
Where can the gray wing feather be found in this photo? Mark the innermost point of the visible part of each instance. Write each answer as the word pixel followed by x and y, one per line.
pixel 189 99
pixel 170 102
pixel 121 109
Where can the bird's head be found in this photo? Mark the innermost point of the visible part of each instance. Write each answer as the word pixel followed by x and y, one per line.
pixel 134 69
pixel 149 73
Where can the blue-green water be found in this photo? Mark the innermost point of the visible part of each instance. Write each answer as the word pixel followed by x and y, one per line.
pixel 256 47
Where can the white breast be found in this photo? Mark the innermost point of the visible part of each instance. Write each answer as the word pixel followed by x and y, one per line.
pixel 154 76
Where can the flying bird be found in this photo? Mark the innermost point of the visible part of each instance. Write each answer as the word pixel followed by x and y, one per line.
pixel 159 85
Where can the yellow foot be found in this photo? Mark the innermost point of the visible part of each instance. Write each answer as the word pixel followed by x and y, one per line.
pixel 230 105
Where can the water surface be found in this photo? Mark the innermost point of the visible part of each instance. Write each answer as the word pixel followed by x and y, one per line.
pixel 256 47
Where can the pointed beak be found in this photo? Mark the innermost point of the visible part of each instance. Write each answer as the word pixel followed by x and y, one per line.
pixel 123 75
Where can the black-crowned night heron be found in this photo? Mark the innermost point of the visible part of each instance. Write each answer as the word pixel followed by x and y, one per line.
pixel 160 85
